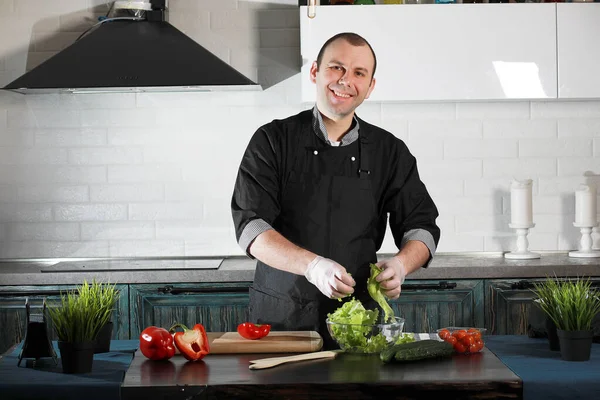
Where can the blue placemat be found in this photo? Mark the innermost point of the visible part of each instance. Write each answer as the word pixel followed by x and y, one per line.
pixel 47 381
pixel 544 374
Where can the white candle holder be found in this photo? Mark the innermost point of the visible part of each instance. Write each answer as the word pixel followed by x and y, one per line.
pixel 522 252
pixel 585 242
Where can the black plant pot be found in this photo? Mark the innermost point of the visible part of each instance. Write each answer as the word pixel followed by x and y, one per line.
pixel 103 338
pixel 76 358
pixel 575 345
pixel 552 335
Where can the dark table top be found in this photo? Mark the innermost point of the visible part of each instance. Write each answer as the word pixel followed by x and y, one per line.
pixel 45 380
pixel 347 376
pixel 545 375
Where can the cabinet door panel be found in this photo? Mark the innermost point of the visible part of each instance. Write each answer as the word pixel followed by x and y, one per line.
pixel 510 309
pixel 220 307
pixel 13 316
pixel 427 309
pixel 431 52
pixel 578 51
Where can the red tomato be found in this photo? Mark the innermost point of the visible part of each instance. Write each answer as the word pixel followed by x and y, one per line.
pixel 474 348
pixel 460 348
pixel 444 334
pixel 251 331
pixel 479 344
pixel 468 340
pixel 461 333
pixel 452 340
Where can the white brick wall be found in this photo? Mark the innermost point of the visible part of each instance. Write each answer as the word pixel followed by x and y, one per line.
pixel 151 174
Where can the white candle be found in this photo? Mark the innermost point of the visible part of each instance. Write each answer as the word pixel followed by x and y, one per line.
pixel 520 203
pixel 585 206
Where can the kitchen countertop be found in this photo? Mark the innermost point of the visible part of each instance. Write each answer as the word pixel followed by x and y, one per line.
pixel 241 269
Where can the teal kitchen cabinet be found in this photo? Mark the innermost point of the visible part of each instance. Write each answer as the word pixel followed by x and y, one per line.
pixel 13 316
pixel 427 305
pixel 220 307
pixel 510 308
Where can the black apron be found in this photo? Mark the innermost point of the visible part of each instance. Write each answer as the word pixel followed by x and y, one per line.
pixel 329 208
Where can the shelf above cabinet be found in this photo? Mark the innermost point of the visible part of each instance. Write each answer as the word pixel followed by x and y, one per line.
pixel 433 52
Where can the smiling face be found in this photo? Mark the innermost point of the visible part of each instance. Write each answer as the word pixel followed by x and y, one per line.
pixel 344 79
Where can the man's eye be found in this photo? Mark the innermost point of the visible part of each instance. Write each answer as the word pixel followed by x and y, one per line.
pixel 360 74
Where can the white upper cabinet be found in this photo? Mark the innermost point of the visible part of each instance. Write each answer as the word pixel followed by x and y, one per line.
pixel 446 52
pixel 578 50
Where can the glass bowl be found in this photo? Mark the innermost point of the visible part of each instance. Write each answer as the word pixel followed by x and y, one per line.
pixel 367 339
pixel 466 340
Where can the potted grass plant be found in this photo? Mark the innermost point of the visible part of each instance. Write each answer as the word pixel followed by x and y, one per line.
pixel 546 293
pixel 77 319
pixel 106 295
pixel 572 306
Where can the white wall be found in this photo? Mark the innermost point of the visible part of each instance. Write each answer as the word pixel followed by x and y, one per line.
pixel 152 174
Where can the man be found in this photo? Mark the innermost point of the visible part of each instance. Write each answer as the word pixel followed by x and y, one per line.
pixel 313 194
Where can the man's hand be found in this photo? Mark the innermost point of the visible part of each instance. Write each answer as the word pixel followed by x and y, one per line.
pixel 329 277
pixel 392 277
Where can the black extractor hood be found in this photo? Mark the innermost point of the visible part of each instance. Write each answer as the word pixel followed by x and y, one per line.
pixel 140 52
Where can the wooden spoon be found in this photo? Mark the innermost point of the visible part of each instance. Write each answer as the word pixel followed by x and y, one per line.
pixel 273 361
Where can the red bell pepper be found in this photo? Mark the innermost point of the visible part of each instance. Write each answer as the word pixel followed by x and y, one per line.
pixel 192 343
pixel 252 331
pixel 157 343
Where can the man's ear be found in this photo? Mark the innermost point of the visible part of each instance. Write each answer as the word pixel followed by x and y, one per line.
pixel 371 87
pixel 313 72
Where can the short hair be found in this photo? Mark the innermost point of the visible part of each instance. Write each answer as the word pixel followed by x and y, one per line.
pixel 354 39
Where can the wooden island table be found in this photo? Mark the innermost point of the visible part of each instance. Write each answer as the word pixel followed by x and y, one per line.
pixel 347 377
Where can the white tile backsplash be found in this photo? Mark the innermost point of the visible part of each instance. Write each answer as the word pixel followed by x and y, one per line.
pixel 128 192
pixel 130 230
pixel 32 156
pixel 571 147
pixel 70 137
pixel 53 194
pixel 166 211
pixel 493 110
pixel 480 148
pixel 8 194
pixel 519 128
pixel 584 127
pixel 63 231
pixel 90 212
pixel 519 167
pixel 566 109
pixel 18 212
pixel 151 174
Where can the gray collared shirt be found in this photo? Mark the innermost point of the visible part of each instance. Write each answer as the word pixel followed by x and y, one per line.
pixel 321 131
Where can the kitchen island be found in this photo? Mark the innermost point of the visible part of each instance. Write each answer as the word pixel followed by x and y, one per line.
pixel 347 377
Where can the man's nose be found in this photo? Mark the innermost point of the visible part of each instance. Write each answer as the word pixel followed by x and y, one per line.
pixel 344 79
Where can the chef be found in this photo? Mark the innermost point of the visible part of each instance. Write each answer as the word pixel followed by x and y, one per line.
pixel 313 194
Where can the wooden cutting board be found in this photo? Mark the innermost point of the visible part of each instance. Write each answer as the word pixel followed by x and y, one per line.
pixel 274 342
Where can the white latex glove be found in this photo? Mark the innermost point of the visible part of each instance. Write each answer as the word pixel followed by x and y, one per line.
pixel 392 276
pixel 329 277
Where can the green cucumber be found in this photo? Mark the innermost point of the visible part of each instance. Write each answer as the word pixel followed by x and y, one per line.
pixel 388 353
pixel 418 350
